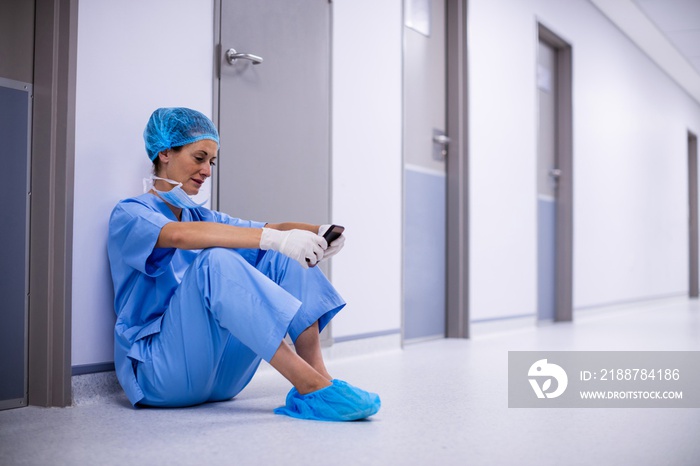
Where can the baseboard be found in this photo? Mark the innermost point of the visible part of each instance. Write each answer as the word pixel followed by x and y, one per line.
pixel 363 346
pixel 92 368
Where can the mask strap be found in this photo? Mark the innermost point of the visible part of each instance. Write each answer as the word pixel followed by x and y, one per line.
pixel 149 183
pixel 172 182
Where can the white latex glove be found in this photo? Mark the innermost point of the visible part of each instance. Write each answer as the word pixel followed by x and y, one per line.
pixel 335 246
pixel 300 245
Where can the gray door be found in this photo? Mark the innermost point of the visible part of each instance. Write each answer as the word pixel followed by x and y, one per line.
pixel 15 118
pixel 547 178
pixel 555 178
pixel 274 117
pixel 424 170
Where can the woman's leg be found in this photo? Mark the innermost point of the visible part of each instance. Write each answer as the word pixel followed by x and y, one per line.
pixel 303 376
pixel 320 302
pixel 308 346
pixel 289 298
pixel 315 395
pixel 229 303
pixel 222 319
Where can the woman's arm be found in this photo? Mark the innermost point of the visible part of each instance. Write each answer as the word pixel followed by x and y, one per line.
pixel 294 226
pixel 201 235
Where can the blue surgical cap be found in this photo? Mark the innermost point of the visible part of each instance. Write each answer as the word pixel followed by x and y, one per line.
pixel 173 127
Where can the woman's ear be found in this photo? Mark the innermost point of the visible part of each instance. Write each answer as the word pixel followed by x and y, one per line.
pixel 164 156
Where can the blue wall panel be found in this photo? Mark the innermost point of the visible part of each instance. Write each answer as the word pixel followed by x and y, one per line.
pixel 546 258
pixel 14 118
pixel 424 261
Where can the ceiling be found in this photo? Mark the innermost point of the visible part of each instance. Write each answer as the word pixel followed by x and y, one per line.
pixel 668 31
pixel 679 21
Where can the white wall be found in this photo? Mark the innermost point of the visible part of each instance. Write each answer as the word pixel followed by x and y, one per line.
pixel 367 163
pixel 630 159
pixel 502 143
pixel 135 56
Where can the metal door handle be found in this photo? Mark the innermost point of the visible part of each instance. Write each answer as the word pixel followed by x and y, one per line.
pixel 232 56
pixel 441 139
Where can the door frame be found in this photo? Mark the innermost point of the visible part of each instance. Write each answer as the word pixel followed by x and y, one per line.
pixel 51 211
pixel 457 227
pixel 693 286
pixel 564 148
pixel 216 108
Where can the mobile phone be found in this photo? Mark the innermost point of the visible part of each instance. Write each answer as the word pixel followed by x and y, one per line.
pixel 333 233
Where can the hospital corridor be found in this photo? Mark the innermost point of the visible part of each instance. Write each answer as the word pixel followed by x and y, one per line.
pixel 350 232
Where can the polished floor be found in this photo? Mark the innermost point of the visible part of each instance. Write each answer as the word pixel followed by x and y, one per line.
pixel 444 402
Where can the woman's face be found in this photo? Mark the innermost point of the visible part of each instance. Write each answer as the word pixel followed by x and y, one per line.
pixel 190 166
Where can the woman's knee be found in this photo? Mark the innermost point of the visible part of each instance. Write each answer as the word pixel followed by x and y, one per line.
pixel 221 258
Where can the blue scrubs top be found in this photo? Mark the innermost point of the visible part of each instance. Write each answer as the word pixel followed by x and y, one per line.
pixel 146 277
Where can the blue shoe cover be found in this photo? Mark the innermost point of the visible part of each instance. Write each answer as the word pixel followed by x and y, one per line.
pixel 337 402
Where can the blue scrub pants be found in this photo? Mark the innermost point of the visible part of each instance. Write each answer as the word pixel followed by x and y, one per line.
pixel 226 316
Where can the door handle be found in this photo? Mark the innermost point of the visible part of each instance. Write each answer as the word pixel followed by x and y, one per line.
pixel 555 173
pixel 232 56
pixel 441 139
pixel 440 142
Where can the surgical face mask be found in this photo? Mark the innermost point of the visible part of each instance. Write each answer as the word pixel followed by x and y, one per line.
pixel 176 197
